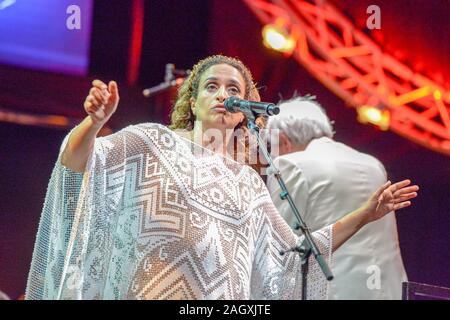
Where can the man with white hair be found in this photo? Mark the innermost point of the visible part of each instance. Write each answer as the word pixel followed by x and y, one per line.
pixel 326 180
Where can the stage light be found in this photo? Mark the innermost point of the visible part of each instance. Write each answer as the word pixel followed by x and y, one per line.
pixel 437 95
pixel 375 116
pixel 276 38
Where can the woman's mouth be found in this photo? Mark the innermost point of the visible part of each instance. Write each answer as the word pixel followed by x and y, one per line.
pixel 219 108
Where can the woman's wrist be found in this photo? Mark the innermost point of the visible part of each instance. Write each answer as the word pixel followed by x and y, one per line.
pixel 365 213
pixel 94 125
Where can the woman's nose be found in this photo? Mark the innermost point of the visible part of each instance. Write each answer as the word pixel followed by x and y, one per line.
pixel 222 94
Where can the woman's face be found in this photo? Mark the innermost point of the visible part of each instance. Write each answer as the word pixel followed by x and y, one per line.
pixel 217 83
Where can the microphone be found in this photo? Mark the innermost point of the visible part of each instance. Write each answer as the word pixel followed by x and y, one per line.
pixel 234 104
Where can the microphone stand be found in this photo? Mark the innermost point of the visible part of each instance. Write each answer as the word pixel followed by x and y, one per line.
pixel 170 80
pixel 308 245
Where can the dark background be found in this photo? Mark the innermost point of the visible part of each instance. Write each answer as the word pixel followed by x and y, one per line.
pixel 182 32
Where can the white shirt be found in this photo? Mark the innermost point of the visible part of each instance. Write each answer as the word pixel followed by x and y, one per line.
pixel 326 181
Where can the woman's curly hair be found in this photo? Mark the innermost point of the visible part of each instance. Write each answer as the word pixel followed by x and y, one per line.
pixel 182 117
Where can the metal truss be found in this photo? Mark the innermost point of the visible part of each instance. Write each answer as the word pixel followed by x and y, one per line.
pixel 357 70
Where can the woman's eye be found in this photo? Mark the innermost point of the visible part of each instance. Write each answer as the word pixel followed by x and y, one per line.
pixel 211 87
pixel 233 91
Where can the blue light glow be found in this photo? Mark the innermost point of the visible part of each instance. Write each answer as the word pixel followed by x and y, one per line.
pixel 34 34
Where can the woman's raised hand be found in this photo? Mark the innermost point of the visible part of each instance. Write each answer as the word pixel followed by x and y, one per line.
pixel 102 101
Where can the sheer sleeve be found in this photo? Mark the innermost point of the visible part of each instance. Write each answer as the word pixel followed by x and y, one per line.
pixel 54 230
pixel 68 217
pixel 276 276
pixel 86 246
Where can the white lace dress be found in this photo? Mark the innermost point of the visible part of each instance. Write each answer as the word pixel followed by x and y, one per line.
pixel 155 216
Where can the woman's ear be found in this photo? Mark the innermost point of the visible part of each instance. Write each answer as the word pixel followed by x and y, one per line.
pixel 192 102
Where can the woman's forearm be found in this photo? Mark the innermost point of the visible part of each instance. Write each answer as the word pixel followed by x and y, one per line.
pixel 80 145
pixel 388 198
pixel 346 227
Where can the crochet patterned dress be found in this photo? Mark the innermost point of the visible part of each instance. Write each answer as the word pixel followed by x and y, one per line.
pixel 156 216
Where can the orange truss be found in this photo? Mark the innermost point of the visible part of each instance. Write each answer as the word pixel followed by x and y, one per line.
pixel 356 69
